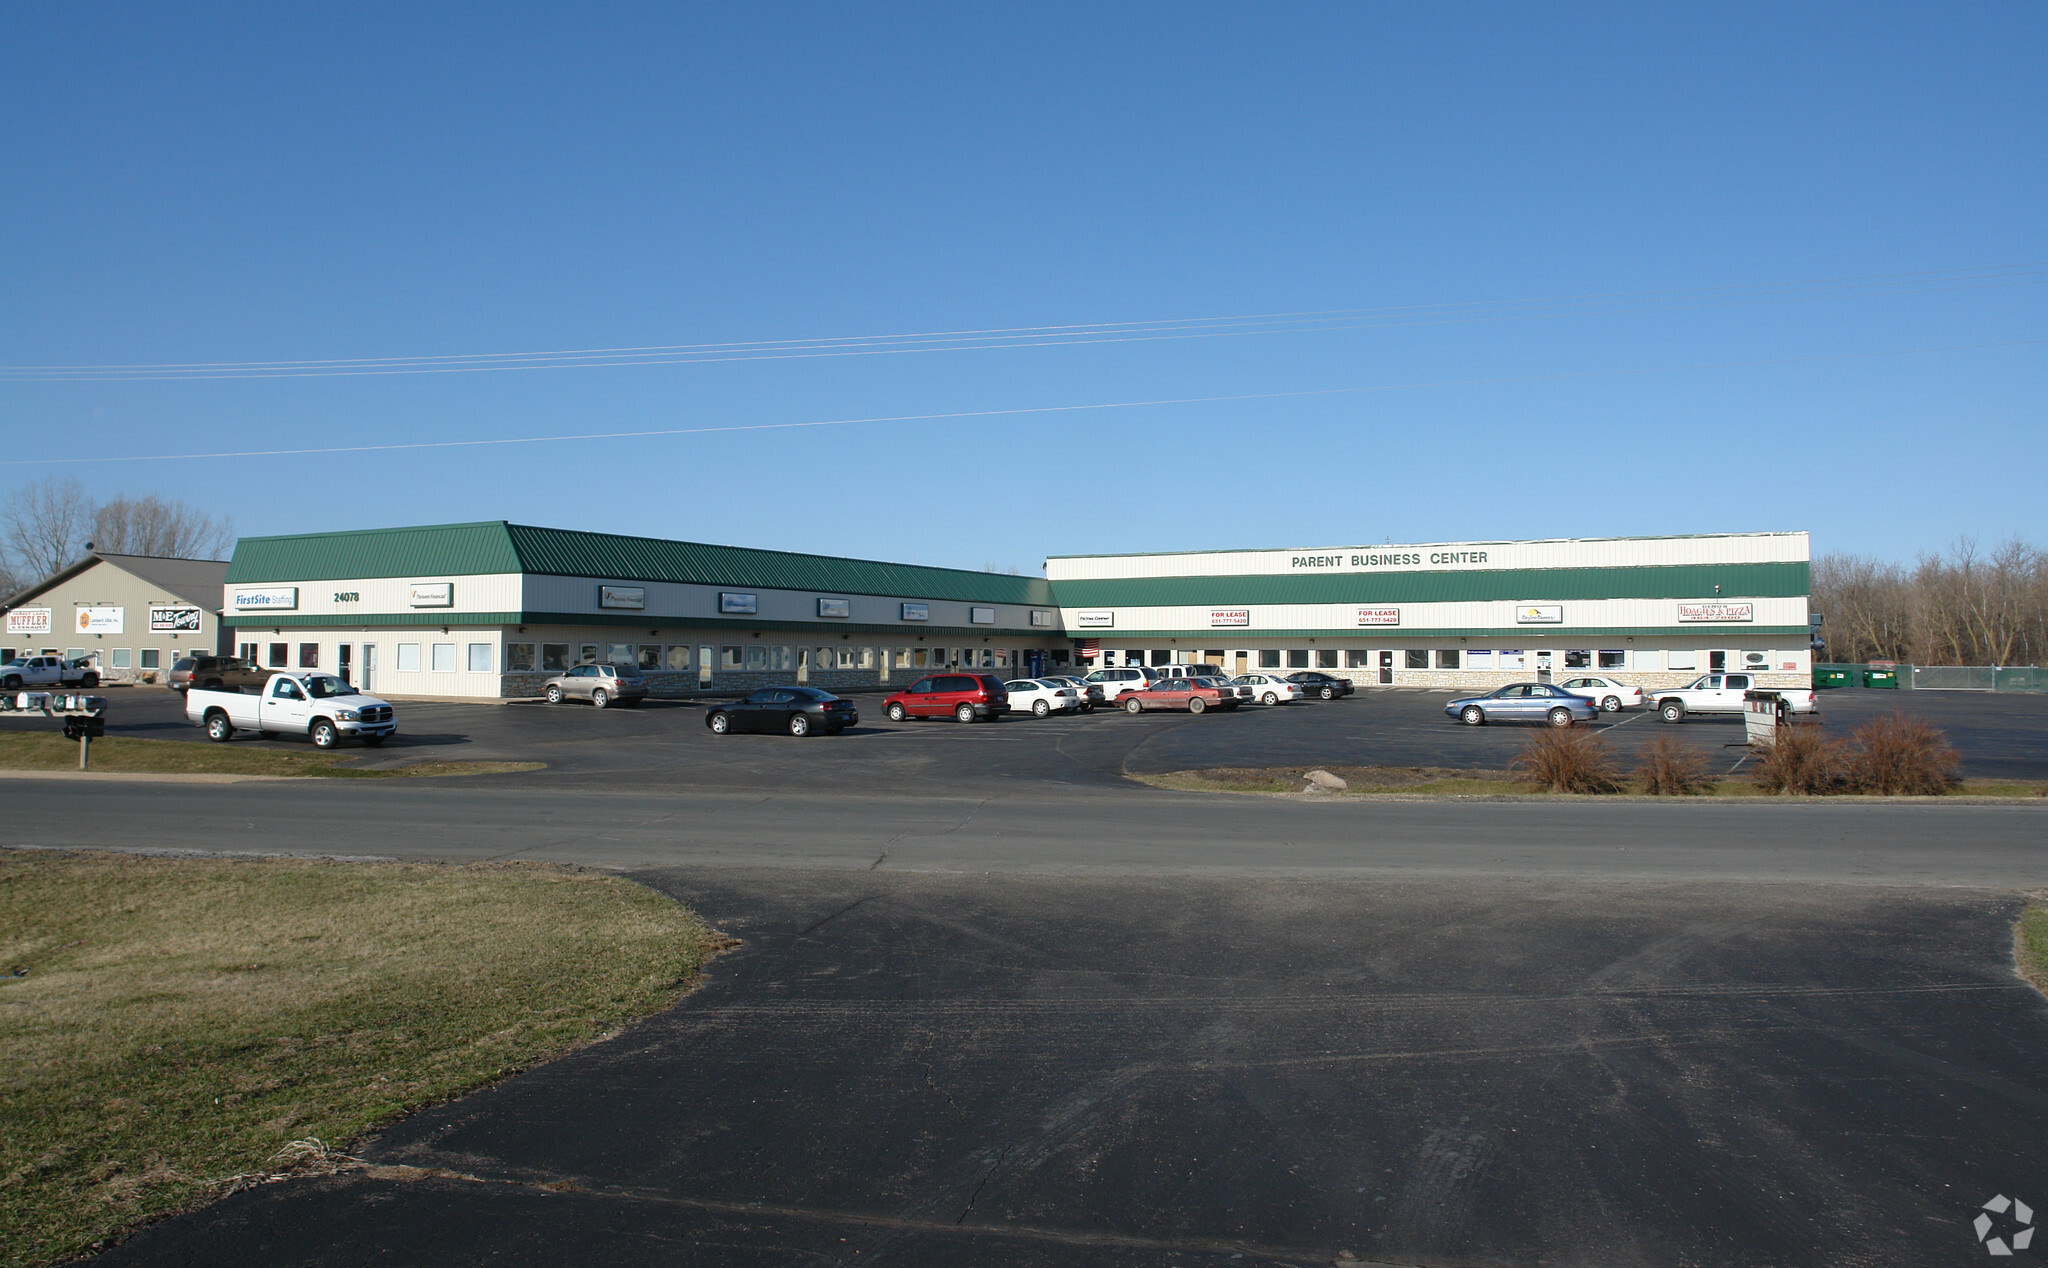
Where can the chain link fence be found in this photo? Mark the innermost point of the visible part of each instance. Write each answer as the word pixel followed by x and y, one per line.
pixel 2010 678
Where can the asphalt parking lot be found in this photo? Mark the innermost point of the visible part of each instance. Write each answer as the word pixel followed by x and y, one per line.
pixel 995 1003
pixel 665 744
pixel 963 1069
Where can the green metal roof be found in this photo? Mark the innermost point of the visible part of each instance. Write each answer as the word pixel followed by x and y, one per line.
pixel 1491 636
pixel 437 550
pixel 459 550
pixel 1519 585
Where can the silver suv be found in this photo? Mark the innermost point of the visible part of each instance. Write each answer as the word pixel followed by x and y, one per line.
pixel 601 685
pixel 1115 682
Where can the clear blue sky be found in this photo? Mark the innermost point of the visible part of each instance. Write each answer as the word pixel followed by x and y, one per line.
pixel 199 184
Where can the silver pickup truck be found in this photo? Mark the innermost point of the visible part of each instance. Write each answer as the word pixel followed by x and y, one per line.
pixel 1721 693
pixel 321 706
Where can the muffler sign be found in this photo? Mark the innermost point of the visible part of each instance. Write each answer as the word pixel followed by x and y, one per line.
pixel 28 621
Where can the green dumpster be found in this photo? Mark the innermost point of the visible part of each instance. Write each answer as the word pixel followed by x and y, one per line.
pixel 1825 676
pixel 1888 678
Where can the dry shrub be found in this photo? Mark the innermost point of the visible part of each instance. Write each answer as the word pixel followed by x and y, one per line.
pixel 1670 767
pixel 1568 760
pixel 1804 761
pixel 1904 757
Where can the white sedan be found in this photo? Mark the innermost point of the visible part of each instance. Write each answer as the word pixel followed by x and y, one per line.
pixel 1269 688
pixel 1041 698
pixel 1611 696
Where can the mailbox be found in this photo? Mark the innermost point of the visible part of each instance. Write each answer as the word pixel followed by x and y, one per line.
pixel 84 727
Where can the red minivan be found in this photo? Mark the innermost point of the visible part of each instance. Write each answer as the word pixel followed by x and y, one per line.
pixel 964 696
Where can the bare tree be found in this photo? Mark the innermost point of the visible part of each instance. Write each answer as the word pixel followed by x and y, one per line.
pixel 167 528
pixel 1868 606
pixel 46 524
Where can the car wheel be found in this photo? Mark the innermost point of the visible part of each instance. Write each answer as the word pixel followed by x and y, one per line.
pixel 1672 711
pixel 1196 704
pixel 554 694
pixel 1612 704
pixel 1041 708
pixel 1269 698
pixel 897 713
pixel 1472 715
pixel 720 723
pixel 1329 693
pixel 1560 717
pixel 218 728
pixel 375 741
pixel 90 680
pixel 1133 705
pixel 1087 706
pixel 799 725
pixel 600 698
pixel 12 682
pixel 324 734
pixel 965 713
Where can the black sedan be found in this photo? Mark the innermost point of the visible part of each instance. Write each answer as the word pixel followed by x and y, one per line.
pixel 1324 685
pixel 784 710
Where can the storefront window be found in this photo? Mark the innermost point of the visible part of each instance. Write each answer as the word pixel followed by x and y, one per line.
pixel 867 658
pixel 1418 658
pixel 519 658
pixel 1269 658
pixel 1446 658
pixel 650 656
pixel 848 657
pixel 280 655
pixel 618 653
pixel 587 654
pixel 554 657
pixel 1357 658
pixel 149 658
pixel 1613 660
pixel 121 657
pixel 782 658
pixel 1297 658
pixel 1479 658
pixel 479 658
pixel 729 657
pixel 444 658
pixel 408 658
pixel 757 656
pixel 1513 659
pixel 309 656
pixel 1578 659
pixel 678 657
pixel 1326 658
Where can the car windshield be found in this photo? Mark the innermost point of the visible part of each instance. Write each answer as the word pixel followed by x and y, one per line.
pixel 323 686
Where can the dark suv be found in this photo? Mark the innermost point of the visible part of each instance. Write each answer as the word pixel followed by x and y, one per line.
pixel 216 673
pixel 964 696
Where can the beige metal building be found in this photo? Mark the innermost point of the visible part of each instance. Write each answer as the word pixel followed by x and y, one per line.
pixel 134 614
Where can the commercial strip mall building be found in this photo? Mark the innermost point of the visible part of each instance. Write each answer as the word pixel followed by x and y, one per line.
pixel 493 609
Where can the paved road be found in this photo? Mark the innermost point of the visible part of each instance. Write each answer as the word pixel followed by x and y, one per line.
pixel 1035 828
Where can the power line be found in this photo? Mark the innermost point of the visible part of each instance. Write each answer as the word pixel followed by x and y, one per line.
pixel 1309 322
pixel 655 433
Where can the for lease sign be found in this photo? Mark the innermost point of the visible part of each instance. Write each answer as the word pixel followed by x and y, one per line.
pixel 1379 616
pixel 1717 611
pixel 1229 616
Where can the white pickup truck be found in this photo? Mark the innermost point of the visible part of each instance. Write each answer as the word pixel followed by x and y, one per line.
pixel 1722 693
pixel 318 705
pixel 48 671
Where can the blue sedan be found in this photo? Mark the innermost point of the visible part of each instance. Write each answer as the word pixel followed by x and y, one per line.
pixel 1523 702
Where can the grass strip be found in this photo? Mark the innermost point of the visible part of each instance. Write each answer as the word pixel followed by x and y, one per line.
pixel 49 751
pixel 1437 781
pixel 2030 946
pixel 169 1023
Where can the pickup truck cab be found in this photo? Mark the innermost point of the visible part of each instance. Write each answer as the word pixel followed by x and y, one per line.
pixel 317 705
pixel 48 671
pixel 1722 693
